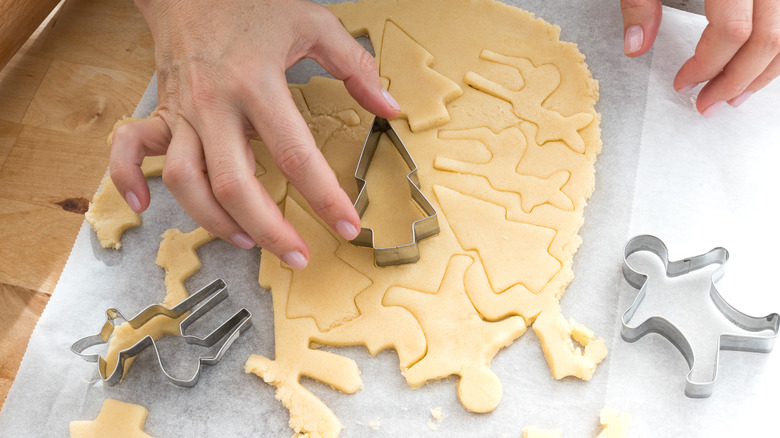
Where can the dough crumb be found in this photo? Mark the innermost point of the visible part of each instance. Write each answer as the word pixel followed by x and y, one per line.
pixel 438 415
pixel 615 424
pixel 374 425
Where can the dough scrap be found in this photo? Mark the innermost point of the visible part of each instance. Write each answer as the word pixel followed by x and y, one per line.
pixel 614 424
pixel 507 161
pixel 557 337
pixel 116 419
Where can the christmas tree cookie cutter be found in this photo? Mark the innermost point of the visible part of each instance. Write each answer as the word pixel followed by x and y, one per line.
pixel 765 328
pixel 421 229
pixel 207 298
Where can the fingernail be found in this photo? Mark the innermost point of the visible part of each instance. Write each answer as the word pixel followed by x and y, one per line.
pixel 712 109
pixel 739 100
pixel 633 39
pixel 687 88
pixel 133 202
pixel 346 230
pixel 390 100
pixel 243 240
pixel 295 259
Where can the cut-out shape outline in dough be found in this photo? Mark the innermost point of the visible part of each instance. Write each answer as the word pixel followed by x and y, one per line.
pixel 409 68
pixel 507 149
pixel 552 125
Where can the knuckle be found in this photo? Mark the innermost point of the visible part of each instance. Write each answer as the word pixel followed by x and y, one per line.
pixel 634 5
pixel 366 62
pixel 177 173
pixel 325 203
pixel 269 238
pixel 737 31
pixel 124 133
pixel 294 160
pixel 228 187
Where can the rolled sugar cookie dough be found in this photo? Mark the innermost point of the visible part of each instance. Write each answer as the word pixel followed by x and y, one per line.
pixel 499 116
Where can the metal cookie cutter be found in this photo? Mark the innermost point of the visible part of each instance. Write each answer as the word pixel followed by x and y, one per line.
pixel 758 343
pixel 209 296
pixel 421 229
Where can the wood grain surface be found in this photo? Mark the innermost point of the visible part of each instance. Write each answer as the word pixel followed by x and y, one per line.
pixel 59 97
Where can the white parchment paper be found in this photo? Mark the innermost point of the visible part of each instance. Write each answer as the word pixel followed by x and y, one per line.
pixel 665 170
pixel 701 184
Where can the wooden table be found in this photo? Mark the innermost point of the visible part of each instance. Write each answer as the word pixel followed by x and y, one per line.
pixel 59 98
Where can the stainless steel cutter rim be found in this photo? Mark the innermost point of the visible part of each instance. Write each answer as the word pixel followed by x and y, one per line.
pixel 759 343
pixel 210 296
pixel 421 228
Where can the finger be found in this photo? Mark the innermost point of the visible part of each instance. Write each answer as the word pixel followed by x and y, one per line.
pixel 748 63
pixel 641 20
pixel 770 24
pixel 767 76
pixel 344 58
pixel 184 174
pixel 231 173
pixel 130 143
pixel 729 28
pixel 287 136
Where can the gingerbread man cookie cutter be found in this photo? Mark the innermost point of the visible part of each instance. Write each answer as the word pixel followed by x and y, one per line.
pixel 765 328
pixel 207 298
pixel 421 228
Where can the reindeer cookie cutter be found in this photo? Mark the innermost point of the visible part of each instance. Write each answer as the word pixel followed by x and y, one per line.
pixel 208 297
pixel 421 228
pixel 765 328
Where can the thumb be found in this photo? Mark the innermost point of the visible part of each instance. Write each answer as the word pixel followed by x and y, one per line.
pixel 641 19
pixel 344 58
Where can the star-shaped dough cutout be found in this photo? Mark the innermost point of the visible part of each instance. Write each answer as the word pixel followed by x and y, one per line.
pixel 116 419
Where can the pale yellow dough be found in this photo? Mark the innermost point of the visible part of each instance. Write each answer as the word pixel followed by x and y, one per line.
pixel 614 424
pixel 116 420
pixel 500 121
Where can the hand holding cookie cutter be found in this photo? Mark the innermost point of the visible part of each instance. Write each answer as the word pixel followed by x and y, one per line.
pixel 421 228
pixel 759 343
pixel 209 296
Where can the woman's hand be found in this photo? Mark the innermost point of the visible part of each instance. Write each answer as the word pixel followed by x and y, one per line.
pixel 737 54
pixel 220 68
